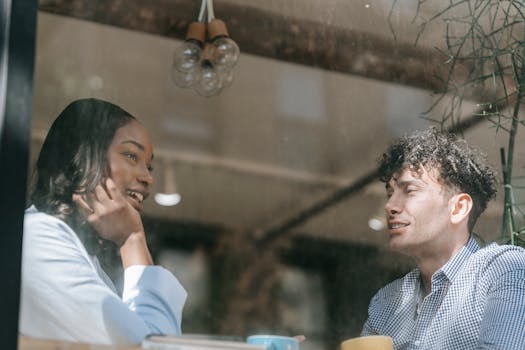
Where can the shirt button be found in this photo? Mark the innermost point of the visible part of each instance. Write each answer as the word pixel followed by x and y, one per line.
pixel 417 343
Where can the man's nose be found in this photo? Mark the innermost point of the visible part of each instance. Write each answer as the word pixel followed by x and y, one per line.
pixel 393 205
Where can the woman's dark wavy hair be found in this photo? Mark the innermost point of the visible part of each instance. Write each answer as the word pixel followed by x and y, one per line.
pixel 73 156
pixel 460 166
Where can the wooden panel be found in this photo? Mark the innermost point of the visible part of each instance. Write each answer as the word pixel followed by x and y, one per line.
pixel 272 35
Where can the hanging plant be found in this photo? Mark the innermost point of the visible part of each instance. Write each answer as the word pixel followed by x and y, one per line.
pixel 484 56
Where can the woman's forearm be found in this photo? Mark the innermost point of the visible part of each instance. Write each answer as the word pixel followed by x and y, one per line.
pixel 135 251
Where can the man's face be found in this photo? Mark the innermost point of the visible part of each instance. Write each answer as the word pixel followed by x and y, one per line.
pixel 418 213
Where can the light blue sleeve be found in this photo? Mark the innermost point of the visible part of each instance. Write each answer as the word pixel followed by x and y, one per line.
pixel 159 307
pixel 63 296
pixel 503 321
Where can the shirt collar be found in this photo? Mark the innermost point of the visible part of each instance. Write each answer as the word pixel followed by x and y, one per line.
pixel 32 209
pixel 447 272
pixel 451 268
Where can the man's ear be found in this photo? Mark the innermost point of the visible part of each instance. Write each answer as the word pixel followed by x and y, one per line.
pixel 461 205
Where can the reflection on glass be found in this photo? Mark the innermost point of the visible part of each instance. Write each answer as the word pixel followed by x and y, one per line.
pixel 312 107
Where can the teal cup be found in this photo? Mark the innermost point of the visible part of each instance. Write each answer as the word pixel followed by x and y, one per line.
pixel 274 342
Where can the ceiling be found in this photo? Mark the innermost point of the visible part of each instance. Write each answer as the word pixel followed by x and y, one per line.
pixel 297 126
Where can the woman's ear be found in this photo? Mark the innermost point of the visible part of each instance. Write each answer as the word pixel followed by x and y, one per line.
pixel 461 205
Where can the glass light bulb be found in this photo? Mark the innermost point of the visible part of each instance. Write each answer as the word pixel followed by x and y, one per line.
pixel 225 52
pixel 208 82
pixel 184 80
pixel 226 77
pixel 187 56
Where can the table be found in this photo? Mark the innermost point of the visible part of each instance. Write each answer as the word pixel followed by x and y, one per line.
pixel 29 343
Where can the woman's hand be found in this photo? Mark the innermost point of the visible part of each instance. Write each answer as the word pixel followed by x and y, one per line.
pixel 300 338
pixel 109 213
pixel 114 218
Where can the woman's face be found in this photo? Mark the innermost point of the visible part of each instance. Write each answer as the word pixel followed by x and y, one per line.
pixel 129 161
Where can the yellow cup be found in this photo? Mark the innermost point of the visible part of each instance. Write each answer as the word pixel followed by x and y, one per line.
pixel 371 342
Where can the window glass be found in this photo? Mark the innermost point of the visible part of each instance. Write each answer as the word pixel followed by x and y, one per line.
pixel 280 228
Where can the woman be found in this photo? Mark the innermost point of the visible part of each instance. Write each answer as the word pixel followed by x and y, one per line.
pixel 92 175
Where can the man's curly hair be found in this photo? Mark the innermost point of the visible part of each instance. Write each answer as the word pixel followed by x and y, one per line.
pixel 460 166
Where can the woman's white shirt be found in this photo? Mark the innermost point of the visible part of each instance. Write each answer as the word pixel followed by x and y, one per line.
pixel 66 295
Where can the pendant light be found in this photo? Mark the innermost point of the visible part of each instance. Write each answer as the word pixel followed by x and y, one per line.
pixel 170 196
pixel 205 60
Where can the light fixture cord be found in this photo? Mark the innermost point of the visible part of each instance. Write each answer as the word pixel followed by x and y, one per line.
pixel 211 14
pixel 202 10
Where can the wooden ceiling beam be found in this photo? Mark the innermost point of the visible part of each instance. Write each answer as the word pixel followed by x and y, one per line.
pixel 272 35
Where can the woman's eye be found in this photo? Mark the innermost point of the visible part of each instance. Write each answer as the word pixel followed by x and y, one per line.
pixel 132 156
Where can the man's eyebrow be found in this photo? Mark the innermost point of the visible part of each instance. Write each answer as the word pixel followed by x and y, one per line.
pixel 403 183
pixel 409 182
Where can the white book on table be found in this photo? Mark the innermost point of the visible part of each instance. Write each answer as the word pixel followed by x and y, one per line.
pixel 167 342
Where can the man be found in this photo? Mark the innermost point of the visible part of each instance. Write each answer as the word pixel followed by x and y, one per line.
pixel 460 296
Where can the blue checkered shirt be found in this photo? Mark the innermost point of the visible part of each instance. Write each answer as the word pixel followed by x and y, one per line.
pixel 477 301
